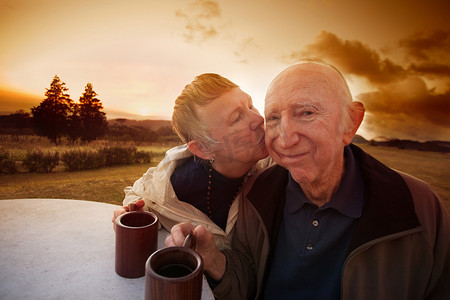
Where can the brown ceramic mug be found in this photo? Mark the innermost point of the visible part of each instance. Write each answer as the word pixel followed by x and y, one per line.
pixel 136 240
pixel 174 273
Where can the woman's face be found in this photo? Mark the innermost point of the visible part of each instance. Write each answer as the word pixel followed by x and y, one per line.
pixel 239 130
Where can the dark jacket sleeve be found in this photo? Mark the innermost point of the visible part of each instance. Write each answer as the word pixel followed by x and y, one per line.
pixel 258 221
pixel 435 220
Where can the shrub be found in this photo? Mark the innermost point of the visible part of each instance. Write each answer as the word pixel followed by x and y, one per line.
pixel 81 160
pixel 118 155
pixel 142 157
pixel 7 163
pixel 39 162
pixel 107 156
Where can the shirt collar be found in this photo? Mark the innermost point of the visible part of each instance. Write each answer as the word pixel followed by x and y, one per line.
pixel 293 191
pixel 349 198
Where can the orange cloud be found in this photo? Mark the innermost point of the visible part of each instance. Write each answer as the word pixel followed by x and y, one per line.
pixel 199 19
pixel 245 47
pixel 203 21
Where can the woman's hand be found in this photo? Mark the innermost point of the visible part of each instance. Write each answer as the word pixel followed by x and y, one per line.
pixel 136 206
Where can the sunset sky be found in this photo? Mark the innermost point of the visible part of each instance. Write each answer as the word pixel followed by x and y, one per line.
pixel 140 54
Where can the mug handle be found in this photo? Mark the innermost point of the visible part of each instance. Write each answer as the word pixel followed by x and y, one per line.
pixel 189 241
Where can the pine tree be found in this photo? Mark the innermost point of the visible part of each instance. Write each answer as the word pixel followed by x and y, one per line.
pixel 92 118
pixel 51 117
pixel 74 129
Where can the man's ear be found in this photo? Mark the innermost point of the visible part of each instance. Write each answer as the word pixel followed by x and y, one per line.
pixel 357 116
pixel 199 150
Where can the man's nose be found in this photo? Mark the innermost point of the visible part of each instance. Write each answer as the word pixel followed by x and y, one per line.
pixel 288 135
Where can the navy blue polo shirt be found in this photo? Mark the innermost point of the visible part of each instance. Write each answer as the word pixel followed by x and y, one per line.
pixel 312 241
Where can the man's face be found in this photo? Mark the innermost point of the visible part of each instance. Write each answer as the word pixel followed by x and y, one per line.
pixel 302 126
pixel 238 127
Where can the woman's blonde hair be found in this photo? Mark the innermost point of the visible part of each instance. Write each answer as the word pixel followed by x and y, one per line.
pixel 201 91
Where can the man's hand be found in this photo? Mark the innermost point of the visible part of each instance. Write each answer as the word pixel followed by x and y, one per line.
pixel 214 261
pixel 136 206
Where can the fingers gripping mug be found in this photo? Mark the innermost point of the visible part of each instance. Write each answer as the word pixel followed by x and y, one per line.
pixel 136 240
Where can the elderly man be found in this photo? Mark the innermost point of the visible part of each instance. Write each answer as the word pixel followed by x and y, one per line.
pixel 330 221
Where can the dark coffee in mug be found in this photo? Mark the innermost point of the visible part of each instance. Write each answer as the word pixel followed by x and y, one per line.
pixel 174 270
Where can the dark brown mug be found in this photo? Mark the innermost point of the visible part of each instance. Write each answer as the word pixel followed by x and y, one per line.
pixel 174 273
pixel 136 240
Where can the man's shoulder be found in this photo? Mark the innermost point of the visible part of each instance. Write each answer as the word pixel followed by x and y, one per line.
pixel 383 176
pixel 422 193
pixel 268 196
pixel 274 174
pixel 270 184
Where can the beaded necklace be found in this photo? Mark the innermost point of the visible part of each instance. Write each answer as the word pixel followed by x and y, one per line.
pixel 208 194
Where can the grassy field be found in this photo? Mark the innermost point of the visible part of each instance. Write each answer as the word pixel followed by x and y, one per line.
pixel 103 185
pixel 19 145
pixel 106 185
pixel 431 167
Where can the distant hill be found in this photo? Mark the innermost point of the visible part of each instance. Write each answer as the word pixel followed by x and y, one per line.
pixel 153 125
pixel 357 139
pixel 434 146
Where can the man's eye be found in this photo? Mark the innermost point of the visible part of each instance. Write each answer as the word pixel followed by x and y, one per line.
pixel 271 119
pixel 306 114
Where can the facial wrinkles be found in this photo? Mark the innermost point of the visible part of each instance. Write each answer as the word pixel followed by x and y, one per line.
pixel 221 111
pixel 291 134
pixel 287 134
pixel 318 136
pixel 245 133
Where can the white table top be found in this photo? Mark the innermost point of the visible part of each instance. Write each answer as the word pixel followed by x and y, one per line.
pixel 63 249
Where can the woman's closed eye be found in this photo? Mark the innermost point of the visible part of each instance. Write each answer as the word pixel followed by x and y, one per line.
pixel 236 118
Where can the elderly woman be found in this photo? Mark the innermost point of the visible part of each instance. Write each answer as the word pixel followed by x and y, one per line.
pixel 201 181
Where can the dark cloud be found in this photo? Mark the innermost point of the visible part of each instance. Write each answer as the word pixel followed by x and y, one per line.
pixel 401 126
pixel 353 57
pixel 430 69
pixel 411 101
pixel 403 104
pixel 199 18
pixel 428 53
pixel 425 45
